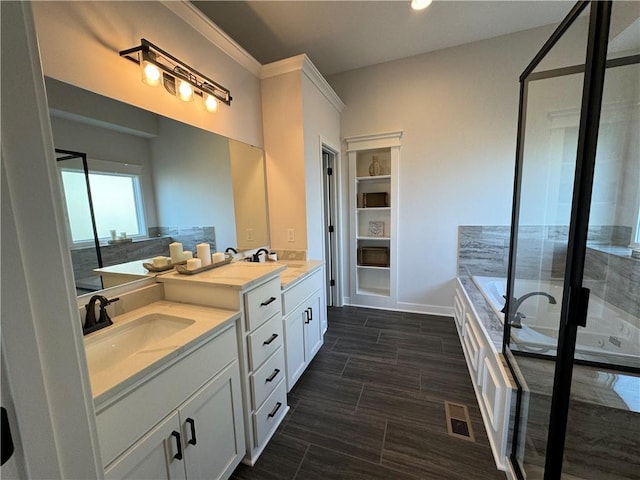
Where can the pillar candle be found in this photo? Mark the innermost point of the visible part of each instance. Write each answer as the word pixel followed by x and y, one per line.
pixel 175 250
pixel 193 263
pixel 204 253
pixel 187 254
pixel 159 261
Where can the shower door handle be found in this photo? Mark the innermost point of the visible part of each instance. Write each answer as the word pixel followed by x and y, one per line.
pixel 578 306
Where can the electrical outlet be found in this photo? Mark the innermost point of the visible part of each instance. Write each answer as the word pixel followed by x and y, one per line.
pixel 291 235
pixel 249 234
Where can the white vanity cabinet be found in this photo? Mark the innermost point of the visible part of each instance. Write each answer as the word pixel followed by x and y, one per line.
pixel 201 431
pixel 304 317
pixel 254 290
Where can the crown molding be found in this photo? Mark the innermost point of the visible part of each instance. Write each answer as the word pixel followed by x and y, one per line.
pixel 373 140
pixel 303 63
pixel 203 24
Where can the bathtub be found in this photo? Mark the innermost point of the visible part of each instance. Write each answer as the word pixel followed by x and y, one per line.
pixel 612 336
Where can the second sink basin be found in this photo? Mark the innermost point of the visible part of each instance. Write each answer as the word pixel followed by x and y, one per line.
pixel 135 338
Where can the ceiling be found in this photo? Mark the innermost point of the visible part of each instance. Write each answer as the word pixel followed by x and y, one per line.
pixel 345 35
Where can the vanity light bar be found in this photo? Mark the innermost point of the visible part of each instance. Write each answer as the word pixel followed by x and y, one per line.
pixel 177 77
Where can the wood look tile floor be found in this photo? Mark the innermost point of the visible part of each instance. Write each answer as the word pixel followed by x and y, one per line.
pixel 371 406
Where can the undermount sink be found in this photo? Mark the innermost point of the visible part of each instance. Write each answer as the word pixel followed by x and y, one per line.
pixel 137 337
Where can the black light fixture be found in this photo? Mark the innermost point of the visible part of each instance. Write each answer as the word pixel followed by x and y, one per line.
pixel 178 78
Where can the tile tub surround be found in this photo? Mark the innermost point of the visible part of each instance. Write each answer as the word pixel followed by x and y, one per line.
pixel 610 272
pixel 189 236
pixel 371 405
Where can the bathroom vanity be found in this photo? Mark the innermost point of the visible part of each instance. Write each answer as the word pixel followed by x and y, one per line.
pixel 253 289
pixel 166 384
pixel 304 315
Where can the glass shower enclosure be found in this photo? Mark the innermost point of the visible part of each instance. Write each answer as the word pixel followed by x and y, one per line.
pixel 572 335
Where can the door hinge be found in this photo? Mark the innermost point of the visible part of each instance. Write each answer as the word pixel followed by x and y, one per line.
pixel 330 228
pixel 329 171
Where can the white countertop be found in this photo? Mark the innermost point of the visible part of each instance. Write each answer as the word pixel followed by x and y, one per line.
pixel 297 270
pixel 128 268
pixel 238 275
pixel 117 375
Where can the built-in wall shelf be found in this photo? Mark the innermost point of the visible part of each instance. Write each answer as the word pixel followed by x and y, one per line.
pixel 373 174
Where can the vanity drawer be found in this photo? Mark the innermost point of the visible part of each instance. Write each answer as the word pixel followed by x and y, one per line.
pixel 298 293
pixel 269 415
pixel 264 341
pixel 262 302
pixel 266 378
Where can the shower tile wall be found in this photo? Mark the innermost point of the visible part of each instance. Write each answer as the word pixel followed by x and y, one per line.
pixel 189 237
pixel 610 272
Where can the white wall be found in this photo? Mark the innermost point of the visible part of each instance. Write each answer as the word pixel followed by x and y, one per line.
pixel 458 109
pixel 321 125
pixel 80 44
pixel 192 179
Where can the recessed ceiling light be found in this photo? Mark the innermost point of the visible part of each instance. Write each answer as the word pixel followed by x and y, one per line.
pixel 420 4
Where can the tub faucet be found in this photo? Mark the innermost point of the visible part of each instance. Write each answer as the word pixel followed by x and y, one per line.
pixel 230 249
pixel 517 319
pixel 90 323
pixel 256 256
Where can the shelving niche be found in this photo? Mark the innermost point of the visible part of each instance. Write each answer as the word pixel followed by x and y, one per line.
pixel 373 214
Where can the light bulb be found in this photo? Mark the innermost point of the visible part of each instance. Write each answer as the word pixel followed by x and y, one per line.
pixel 185 91
pixel 420 4
pixel 210 102
pixel 150 74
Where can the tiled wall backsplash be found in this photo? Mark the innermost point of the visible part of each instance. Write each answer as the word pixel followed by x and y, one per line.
pixel 84 259
pixel 189 237
pixel 610 272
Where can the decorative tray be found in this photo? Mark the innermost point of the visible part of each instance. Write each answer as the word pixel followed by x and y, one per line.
pixel 151 268
pixel 183 270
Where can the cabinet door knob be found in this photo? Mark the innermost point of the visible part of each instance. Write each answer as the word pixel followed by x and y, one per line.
pixel 192 424
pixel 275 410
pixel 267 302
pixel 273 375
pixel 178 455
pixel 271 339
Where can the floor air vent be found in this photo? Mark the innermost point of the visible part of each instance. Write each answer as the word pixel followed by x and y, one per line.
pixel 458 423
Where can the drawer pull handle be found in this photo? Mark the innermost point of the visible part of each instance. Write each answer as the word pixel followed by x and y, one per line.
pixel 310 314
pixel 273 375
pixel 177 456
pixel 275 410
pixel 267 302
pixel 192 424
pixel 271 339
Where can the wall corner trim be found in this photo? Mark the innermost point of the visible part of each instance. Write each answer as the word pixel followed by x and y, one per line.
pixel 201 23
pixel 303 63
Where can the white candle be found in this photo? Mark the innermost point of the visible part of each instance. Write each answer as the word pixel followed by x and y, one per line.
pixel 175 250
pixel 159 261
pixel 187 254
pixel 204 253
pixel 113 234
pixel 217 257
pixel 193 263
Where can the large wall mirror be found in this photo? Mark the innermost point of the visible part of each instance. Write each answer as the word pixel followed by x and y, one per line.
pixel 153 180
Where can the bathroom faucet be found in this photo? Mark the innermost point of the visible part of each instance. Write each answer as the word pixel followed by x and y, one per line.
pixel 90 323
pixel 517 319
pixel 230 249
pixel 256 256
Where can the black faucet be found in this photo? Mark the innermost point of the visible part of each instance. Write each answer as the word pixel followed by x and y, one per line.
pixel 517 319
pixel 256 256
pixel 90 323
pixel 230 249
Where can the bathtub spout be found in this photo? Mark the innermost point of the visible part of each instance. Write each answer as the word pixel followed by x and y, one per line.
pixel 517 319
